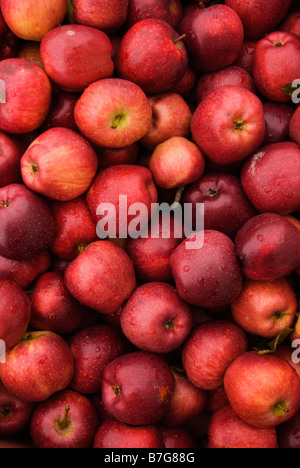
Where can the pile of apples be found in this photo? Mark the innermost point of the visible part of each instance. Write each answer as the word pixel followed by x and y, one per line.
pixel 139 341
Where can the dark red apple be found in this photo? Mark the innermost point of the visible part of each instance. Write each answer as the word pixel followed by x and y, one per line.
pixel 228 125
pixel 268 247
pixel 115 434
pixel 65 420
pixel 288 433
pixel 277 120
pixel 117 156
pixel 15 414
pixel 9 41
pixel 61 113
pixel 107 15
pixel 209 350
pixel 264 391
pixel 185 86
pixel 291 23
pixel 102 277
pixel 178 438
pixel 152 55
pixel 26 223
pixel 137 388
pixel 214 37
pixel 26 96
pixel 11 152
pixel 246 56
pixel 26 271
pixel 59 164
pixel 170 11
pixel 294 127
pixel 217 399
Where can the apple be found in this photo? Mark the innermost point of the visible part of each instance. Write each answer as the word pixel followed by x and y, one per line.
pixel 271 178
pixel 38 366
pixel 61 113
pixel 286 352
pixel 107 15
pixel 228 125
pixel 11 152
pixel 228 76
pixel 9 41
pixel 276 65
pixel 209 350
pixel 117 156
pixel 102 277
pixel 210 276
pixel 277 120
pixel 89 48
pixel 30 50
pixel 75 227
pixel 155 319
pixel 227 430
pixel 152 55
pixel 217 399
pixel 246 56
pixel 26 96
pixel 93 348
pixel 170 11
pixel 259 19
pixel 214 37
pixel 15 312
pixel 59 164
pixel 291 23
pixel 15 414
pixel 266 308
pixel 171 116
pixel 185 86
pixel 226 207
pixel 294 126
pixel 26 223
pixel 65 420
pixel 31 19
pixel 115 434
pixel 24 272
pixel 264 391
pixel 288 433
pixel 268 247
pixel 178 438
pixel 113 113
pixel 137 388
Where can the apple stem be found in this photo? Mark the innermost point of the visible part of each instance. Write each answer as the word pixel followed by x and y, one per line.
pixel 178 196
pixel 179 38
pixel 202 5
pixel 64 423
pixel 280 408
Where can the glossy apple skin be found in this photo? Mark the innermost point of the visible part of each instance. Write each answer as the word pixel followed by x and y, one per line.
pixel 82 424
pixel 259 19
pixel 137 388
pixel 31 19
pixel 271 172
pixel 255 384
pixel 288 433
pixel 115 434
pixel 75 56
pixel 206 51
pixel 15 312
pixel 291 23
pixel 27 216
pixel 117 156
pixel 246 56
pixel 28 95
pixel 37 367
pixel 178 437
pixel 26 271
pixel 209 350
pixel 210 276
pixel 59 164
pixel 265 308
pixel 169 11
pixel 107 271
pixel 104 101
pixel 276 64
pixel 93 348
pixel 226 207
pixel 268 247
pixel 294 127
pixel 11 152
pixel 155 319
pixel 277 120
pixel 216 124
pixel 227 430
pixel 15 414
pixel 106 15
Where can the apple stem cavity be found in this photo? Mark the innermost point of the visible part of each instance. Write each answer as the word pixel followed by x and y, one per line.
pixel 5 412
pixel 280 409
pixel 117 120
pixel 64 423
pixel 169 324
pixel 278 44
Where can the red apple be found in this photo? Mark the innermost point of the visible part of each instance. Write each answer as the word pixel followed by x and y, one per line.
pixel 170 11
pixel 26 223
pixel 277 119
pixel 209 350
pixel 152 55
pixel 107 15
pixel 227 430
pixel 228 125
pixel 155 319
pixel 15 312
pixel 26 96
pixel 11 152
pixel 246 56
pixel 93 348
pixel 185 86
pixel 26 271
pixel 113 113
pixel 61 113
pixel 268 247
pixel 89 48
pixel 271 178
pixel 115 434
pixel 286 351
pixel 60 164
pixel 294 127
pixel 117 156
pixel 214 37
pixel 9 41
pixel 66 420
pixel 265 308
pixel 102 277
pixel 15 414
pixel 32 19
pixel 264 391
pixel 217 399
pixel 258 18
pixel 171 116
pixel 37 367
pixel 178 438
pixel 30 50
pixel 288 433
pixel 75 228
pixel 291 23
